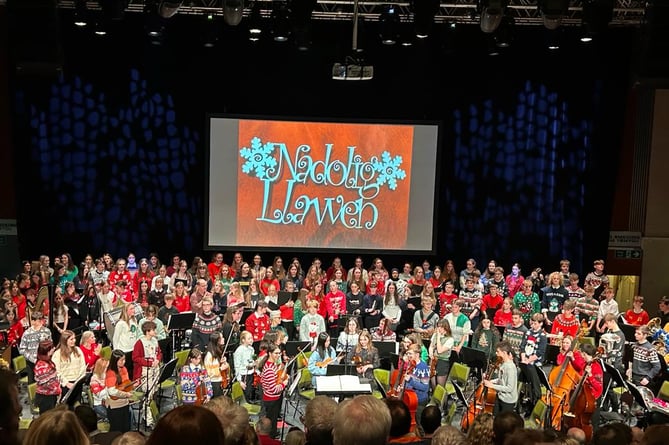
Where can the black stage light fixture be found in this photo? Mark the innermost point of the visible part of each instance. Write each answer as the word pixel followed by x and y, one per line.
pixel 389 21
pixel 491 12
pixel 424 12
pixel 553 11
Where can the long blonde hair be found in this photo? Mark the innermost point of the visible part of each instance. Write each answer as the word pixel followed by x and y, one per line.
pixel 64 349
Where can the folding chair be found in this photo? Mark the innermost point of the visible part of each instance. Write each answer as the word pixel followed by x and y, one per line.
pixel 438 398
pixel 238 397
pixel 382 377
pixel 536 420
pixel 459 374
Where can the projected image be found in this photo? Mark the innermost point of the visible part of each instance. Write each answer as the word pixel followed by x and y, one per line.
pixel 321 185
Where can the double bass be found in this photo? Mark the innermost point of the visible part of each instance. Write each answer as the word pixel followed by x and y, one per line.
pixel 483 401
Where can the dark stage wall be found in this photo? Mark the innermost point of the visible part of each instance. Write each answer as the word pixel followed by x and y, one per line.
pixel 110 157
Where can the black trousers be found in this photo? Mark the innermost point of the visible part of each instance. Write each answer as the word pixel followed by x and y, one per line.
pixel 119 419
pixel 272 411
pixel 530 372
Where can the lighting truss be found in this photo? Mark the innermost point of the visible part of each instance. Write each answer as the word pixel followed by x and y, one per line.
pixel 628 13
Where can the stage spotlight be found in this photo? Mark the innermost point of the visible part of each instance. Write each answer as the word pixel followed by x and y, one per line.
pixel 100 29
pixel 281 28
pixel 255 23
pixel 233 11
pixel 209 31
pixel 169 8
pixel 389 21
pixel 113 9
pixel 80 13
pixel 505 32
pixel 300 17
pixel 552 12
pixel 492 12
pixel 423 16
pixel 596 17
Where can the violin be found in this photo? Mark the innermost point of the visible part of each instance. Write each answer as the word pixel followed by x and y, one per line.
pixel 433 365
pixel 327 361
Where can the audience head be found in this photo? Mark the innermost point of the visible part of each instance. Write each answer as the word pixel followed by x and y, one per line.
pixel 264 426
pixel 233 418
pixel 481 432
pixel 130 438
pixel 56 427
pixel 430 419
pixel 448 435
pixel 295 437
pixel 10 407
pixel 525 436
pixel 505 424
pixel 655 435
pixel 577 434
pixel 318 419
pixel 188 424
pixel 362 420
pixel 612 434
pixel 87 417
pixel 400 417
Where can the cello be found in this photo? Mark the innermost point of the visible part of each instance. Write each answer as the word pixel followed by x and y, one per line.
pixel 563 379
pixel 583 403
pixel 484 399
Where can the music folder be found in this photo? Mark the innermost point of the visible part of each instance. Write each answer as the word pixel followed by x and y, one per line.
pixel 341 384
pixel 283 297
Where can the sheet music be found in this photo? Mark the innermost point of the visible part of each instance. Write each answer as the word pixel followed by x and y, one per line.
pixel 341 383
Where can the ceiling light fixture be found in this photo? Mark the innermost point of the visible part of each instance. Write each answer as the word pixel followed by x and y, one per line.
pixel 492 12
pixel 423 16
pixel 553 11
pixel 389 21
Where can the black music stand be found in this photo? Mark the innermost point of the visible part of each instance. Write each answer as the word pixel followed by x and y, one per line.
pixel 295 347
pixel 386 348
pixel 178 323
pixel 334 369
pixel 71 396
pixel 168 370
pixel 460 394
pixel 543 379
pixel 474 358
pixel 550 357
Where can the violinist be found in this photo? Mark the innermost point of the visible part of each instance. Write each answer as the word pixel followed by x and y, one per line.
pixel 245 363
pixel 272 388
pixel 231 328
pixel 146 356
pixel 195 384
pixel 216 364
pixel 120 389
pixel 365 356
pixel 441 345
pixel 418 380
pixel 506 383
pixel 321 357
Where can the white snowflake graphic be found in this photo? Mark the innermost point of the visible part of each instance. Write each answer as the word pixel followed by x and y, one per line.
pixel 389 170
pixel 259 158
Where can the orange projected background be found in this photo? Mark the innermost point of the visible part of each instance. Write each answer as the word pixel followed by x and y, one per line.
pixel 392 206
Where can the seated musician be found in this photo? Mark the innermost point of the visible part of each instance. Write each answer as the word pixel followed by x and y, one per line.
pixel 506 381
pixel 364 356
pixel 594 381
pixel 120 389
pixel 348 338
pixel 425 320
pixel 321 357
pixel 566 352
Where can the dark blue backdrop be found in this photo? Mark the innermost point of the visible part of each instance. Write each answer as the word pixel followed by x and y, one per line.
pixel 111 156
